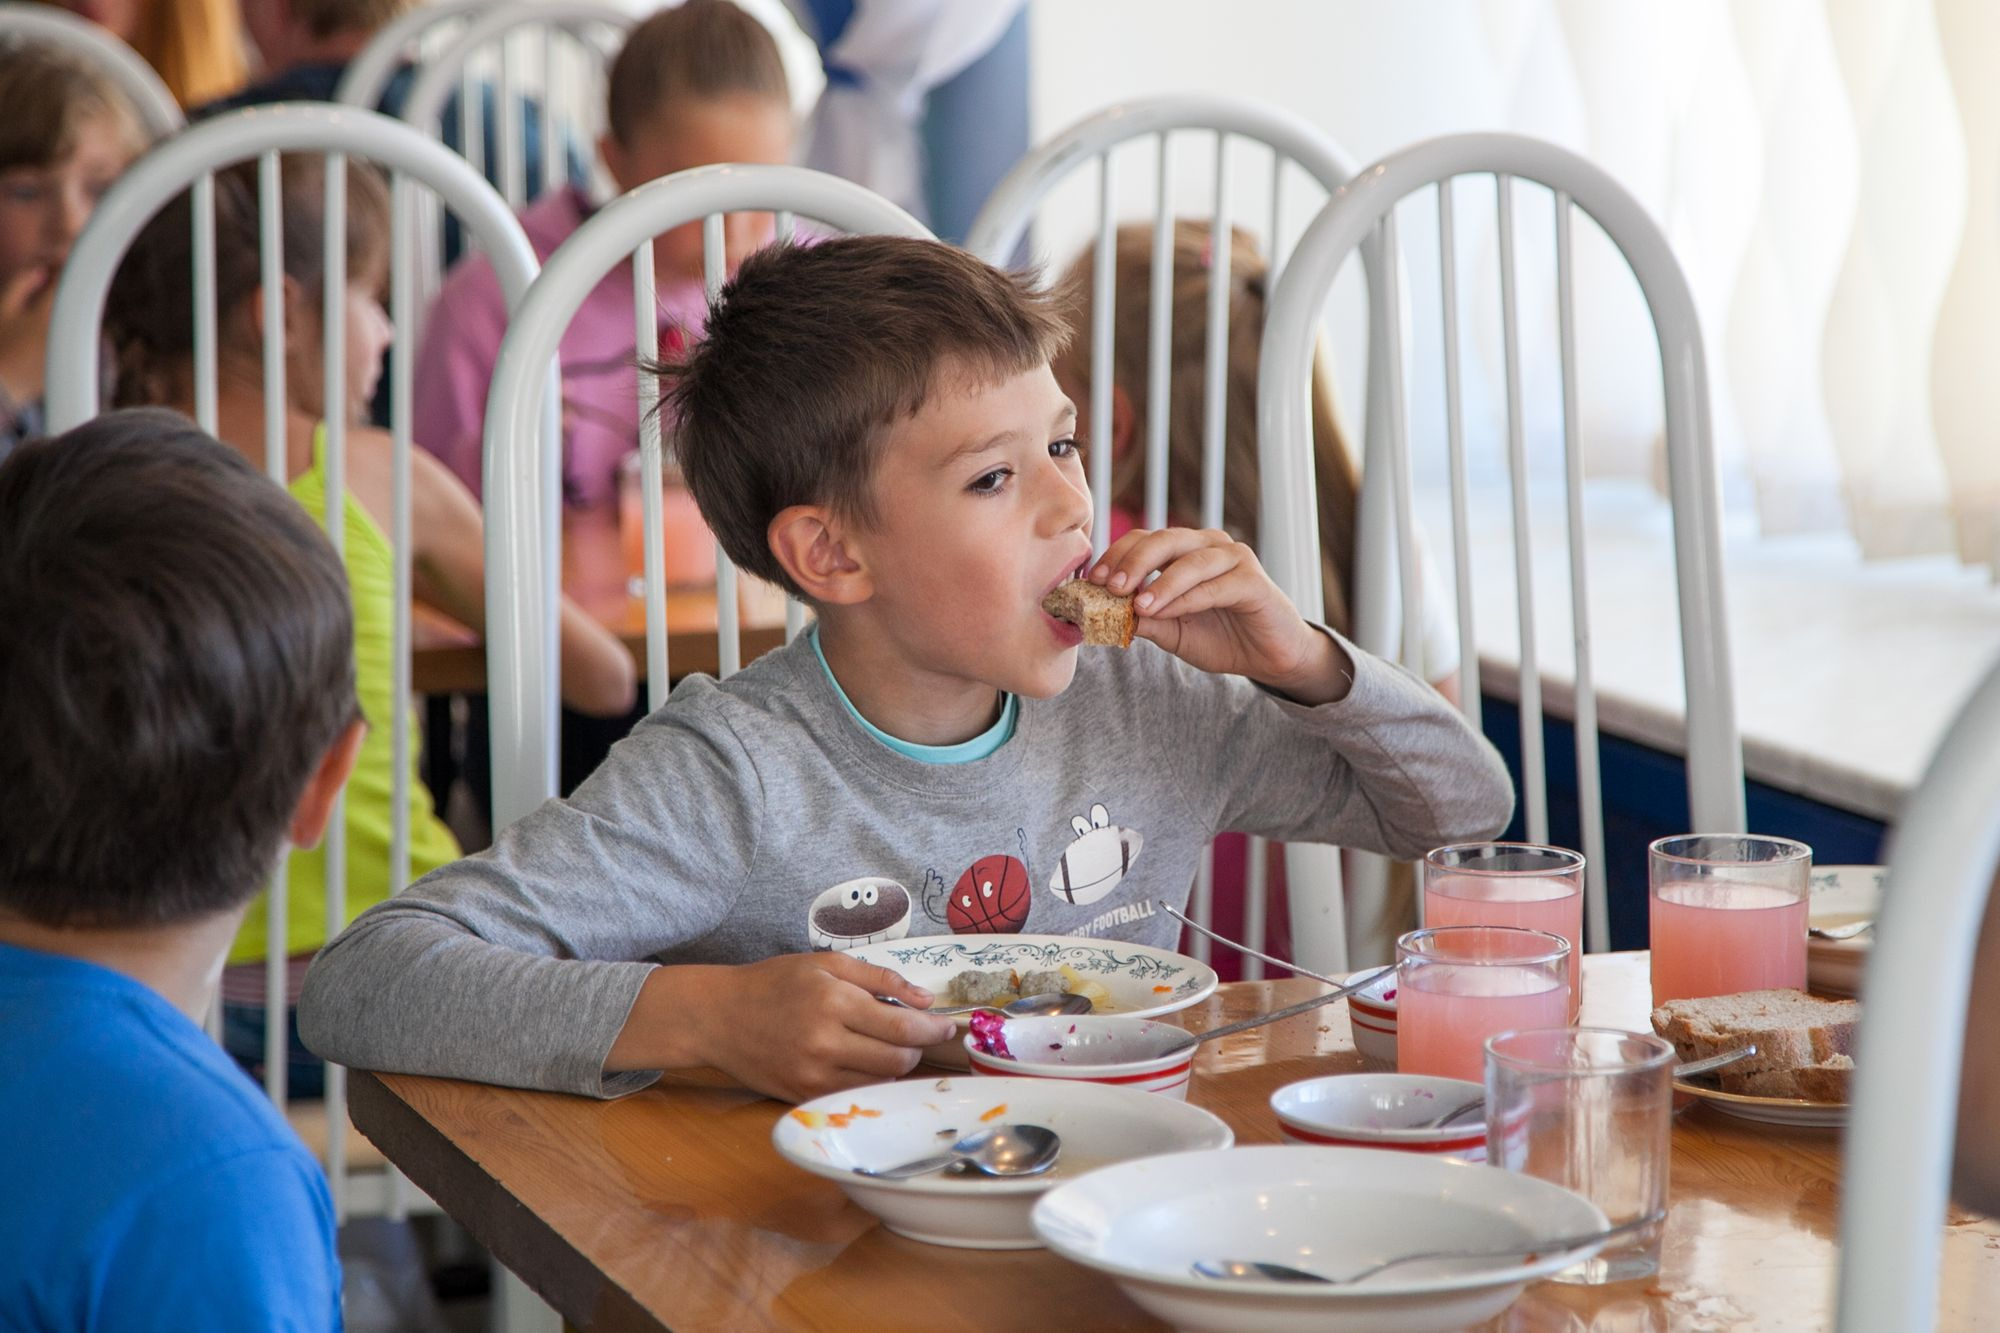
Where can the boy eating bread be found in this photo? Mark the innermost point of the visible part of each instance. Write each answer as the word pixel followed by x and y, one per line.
pixel 872 423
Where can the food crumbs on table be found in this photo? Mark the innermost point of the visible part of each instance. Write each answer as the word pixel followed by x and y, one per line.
pixel 810 1119
pixel 995 1113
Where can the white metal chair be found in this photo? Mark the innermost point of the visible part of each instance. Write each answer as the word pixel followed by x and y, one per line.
pixel 190 159
pixel 523 494
pixel 1364 208
pixel 1313 873
pixel 595 27
pixel 1942 862
pixel 421 33
pixel 159 115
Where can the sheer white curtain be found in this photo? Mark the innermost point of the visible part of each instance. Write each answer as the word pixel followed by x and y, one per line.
pixel 1828 171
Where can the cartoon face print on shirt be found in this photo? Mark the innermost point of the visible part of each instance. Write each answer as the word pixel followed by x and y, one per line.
pixel 990 898
pixel 869 910
pixel 1096 862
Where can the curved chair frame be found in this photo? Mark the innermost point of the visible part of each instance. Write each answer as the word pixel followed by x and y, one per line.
pixel 362 83
pixel 440 77
pixel 1319 932
pixel 523 469
pixel 1291 545
pixel 189 159
pixel 159 114
pixel 1901 1129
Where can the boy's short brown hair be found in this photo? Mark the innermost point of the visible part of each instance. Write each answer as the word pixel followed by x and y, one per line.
pixel 178 657
pixel 812 352
pixel 696 49
pixel 50 93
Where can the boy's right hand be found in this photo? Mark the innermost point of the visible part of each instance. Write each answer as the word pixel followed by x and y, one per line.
pixel 796 1026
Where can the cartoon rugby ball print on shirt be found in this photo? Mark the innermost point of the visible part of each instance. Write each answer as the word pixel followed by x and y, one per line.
pixel 869 910
pixel 1096 862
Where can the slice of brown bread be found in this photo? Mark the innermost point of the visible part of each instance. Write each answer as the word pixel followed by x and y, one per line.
pixel 1827 1082
pixel 1792 1030
pixel 1103 616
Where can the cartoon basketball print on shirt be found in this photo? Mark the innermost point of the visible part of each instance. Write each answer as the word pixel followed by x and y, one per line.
pixel 990 898
pixel 869 910
pixel 1096 862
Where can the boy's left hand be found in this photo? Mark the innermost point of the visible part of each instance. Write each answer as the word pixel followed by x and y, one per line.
pixel 1214 607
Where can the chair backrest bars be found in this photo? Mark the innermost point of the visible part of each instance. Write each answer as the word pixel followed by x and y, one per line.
pixel 1366 205
pixel 523 490
pixel 189 161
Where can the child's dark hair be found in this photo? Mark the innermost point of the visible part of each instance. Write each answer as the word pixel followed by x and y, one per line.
pixel 178 657
pixel 50 94
pixel 697 49
pixel 149 314
pixel 812 352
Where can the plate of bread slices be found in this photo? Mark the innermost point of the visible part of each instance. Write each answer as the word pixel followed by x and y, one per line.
pixel 1803 1064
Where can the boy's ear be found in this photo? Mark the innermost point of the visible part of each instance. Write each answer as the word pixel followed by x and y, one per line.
pixel 315 806
pixel 1123 419
pixel 809 543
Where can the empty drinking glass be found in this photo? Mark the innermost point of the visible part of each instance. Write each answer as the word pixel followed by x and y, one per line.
pixel 1590 1109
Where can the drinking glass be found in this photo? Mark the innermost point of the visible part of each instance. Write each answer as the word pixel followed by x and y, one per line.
pixel 689 546
pixel 1461 984
pixel 1590 1109
pixel 1510 884
pixel 1728 914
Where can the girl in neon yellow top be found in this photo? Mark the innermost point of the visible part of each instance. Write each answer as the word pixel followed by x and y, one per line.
pixel 150 323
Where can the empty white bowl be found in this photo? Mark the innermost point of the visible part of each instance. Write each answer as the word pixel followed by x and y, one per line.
pixel 886 1124
pixel 1330 1209
pixel 1382 1111
pixel 1371 1012
pixel 1122 1052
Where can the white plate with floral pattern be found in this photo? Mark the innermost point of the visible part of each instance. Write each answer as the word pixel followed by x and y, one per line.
pixel 1143 982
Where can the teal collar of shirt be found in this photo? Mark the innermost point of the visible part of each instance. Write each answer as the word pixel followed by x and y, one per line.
pixel 985 743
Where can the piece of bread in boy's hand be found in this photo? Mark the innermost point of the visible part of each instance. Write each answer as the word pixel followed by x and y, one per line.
pixel 1102 615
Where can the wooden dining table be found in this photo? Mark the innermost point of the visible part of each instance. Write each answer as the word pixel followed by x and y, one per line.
pixel 448 658
pixel 669 1209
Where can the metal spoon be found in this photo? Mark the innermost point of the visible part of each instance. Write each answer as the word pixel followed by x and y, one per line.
pixel 1046 1005
pixel 1362 982
pixel 1256 1270
pixel 1846 932
pixel 1002 1150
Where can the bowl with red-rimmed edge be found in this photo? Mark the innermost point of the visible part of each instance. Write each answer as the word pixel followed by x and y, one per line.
pixel 1383 1111
pixel 1371 1013
pixel 1122 1052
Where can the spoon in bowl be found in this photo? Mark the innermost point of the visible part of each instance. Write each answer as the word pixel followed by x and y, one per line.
pixel 1361 982
pixel 1260 1271
pixel 1046 1005
pixel 1002 1150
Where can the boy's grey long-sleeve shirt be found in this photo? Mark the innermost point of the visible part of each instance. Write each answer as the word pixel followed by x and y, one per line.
pixel 755 817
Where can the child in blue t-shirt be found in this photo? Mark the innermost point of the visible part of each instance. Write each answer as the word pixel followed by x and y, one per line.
pixel 176 704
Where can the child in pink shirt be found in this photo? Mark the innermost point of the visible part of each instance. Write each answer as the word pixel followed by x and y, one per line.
pixel 696 84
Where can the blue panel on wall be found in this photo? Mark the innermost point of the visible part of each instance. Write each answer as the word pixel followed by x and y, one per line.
pixel 1645 797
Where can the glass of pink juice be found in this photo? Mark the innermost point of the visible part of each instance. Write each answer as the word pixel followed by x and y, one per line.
pixel 1728 914
pixel 1510 884
pixel 1459 985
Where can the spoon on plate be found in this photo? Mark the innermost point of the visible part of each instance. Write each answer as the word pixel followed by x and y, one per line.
pixel 1846 932
pixel 1691 1069
pixel 1254 1270
pixel 1002 1150
pixel 1046 1005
